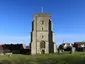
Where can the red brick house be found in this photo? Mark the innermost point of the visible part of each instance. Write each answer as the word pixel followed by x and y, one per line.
pixel 80 46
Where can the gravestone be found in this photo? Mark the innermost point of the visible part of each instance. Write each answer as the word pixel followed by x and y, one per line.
pixel 73 49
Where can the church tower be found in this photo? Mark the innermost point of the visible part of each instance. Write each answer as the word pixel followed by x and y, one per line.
pixel 42 36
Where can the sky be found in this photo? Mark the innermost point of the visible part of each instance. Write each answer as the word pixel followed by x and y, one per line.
pixel 16 16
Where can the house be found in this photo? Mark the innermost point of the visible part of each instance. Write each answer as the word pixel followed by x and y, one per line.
pixel 80 46
pixel 1 48
pixel 14 48
pixel 67 45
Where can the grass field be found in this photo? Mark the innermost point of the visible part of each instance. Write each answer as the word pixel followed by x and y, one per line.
pixel 63 58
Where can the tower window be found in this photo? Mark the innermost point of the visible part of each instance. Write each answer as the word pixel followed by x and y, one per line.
pixel 42 28
pixel 42 22
pixel 42 36
pixel 42 44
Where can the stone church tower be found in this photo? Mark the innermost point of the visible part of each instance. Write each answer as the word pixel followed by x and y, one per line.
pixel 42 36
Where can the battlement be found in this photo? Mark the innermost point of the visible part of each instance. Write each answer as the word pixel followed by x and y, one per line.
pixel 43 15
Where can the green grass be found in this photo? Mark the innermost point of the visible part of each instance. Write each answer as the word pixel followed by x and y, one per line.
pixel 63 58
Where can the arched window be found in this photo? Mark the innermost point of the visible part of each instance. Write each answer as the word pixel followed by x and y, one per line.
pixel 42 44
pixel 42 36
pixel 42 28
pixel 42 22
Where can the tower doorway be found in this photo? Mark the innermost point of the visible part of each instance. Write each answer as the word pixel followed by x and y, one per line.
pixel 43 52
pixel 42 47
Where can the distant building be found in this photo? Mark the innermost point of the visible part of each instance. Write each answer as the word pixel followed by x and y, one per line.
pixel 67 45
pixel 80 46
pixel 14 48
pixel 1 48
pixel 24 46
pixel 27 47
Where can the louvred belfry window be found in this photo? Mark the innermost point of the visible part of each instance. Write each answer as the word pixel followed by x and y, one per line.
pixel 42 44
pixel 42 22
